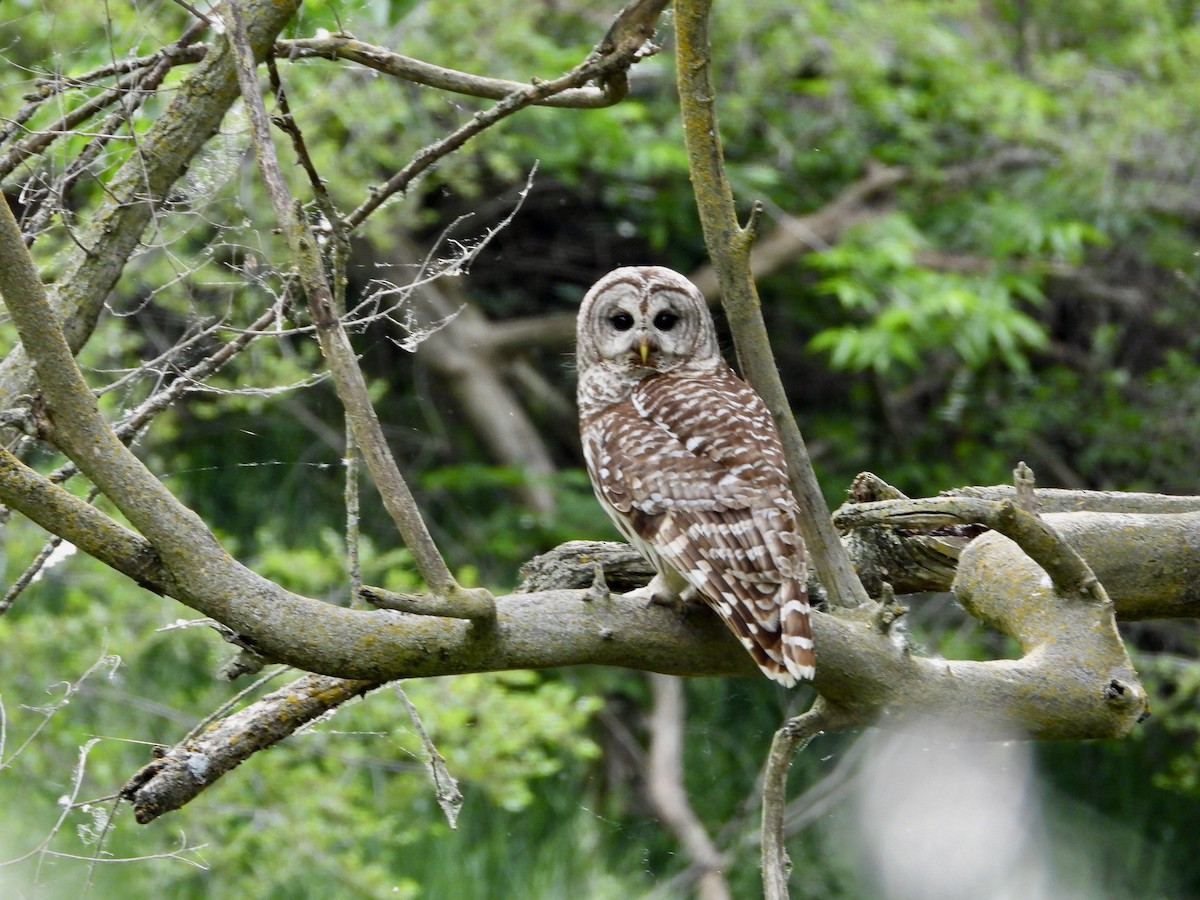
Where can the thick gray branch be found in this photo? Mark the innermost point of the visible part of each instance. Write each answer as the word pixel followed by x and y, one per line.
pixel 1053 500
pixel 1063 688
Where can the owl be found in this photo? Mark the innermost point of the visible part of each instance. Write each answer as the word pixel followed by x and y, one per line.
pixel 684 457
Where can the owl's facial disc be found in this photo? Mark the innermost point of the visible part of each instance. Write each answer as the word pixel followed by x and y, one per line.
pixel 646 320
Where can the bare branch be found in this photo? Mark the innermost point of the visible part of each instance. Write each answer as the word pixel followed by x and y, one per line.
pixel 138 89
pixel 52 551
pixel 335 344
pixel 445 785
pixel 793 734
pixel 380 59
pixel 1071 576
pixel 181 772
pixel 664 781
pixel 624 45
pixel 38 141
pixel 464 606
pixel 1055 500
pixel 1063 688
pixel 729 248
pixel 135 192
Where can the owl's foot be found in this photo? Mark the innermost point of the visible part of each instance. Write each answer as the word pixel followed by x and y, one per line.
pixel 651 595
pixel 660 592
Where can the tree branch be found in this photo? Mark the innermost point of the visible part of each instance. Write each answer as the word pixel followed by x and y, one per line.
pixel 179 773
pixel 139 187
pixel 794 733
pixel 626 43
pixel 1061 688
pixel 335 344
pixel 71 518
pixel 1056 500
pixel 466 605
pixel 380 59
pixel 729 249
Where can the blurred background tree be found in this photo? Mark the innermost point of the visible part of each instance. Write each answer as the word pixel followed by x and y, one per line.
pixel 979 247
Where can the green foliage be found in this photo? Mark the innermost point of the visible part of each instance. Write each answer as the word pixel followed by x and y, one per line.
pixel 505 731
pixel 1175 682
pixel 906 312
pixel 477 502
pixel 318 569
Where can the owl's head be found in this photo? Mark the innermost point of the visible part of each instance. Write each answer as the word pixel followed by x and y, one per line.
pixel 646 319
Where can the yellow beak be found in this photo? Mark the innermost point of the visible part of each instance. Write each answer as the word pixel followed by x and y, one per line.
pixel 644 350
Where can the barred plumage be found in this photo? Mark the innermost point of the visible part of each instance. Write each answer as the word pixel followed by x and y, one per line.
pixel 685 458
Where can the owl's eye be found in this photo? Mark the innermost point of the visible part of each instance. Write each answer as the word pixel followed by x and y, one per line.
pixel 621 321
pixel 666 320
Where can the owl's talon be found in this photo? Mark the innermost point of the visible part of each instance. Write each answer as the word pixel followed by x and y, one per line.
pixel 659 592
pixel 650 595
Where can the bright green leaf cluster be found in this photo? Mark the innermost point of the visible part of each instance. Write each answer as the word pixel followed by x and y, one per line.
pixel 905 315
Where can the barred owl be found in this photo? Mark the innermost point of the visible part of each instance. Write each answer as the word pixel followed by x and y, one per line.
pixel 685 459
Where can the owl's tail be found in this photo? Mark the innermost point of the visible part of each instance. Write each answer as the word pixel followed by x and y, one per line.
pixel 795 630
pixel 781 644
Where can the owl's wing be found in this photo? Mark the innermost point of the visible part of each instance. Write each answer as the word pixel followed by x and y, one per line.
pixel 696 468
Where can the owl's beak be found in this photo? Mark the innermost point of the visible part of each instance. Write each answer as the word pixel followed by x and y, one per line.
pixel 644 349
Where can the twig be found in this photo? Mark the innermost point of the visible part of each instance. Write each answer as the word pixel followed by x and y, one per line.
pixel 136 421
pixel 36 566
pixel 69 690
pixel 40 140
pixel 87 275
pixel 203 17
pixel 825 795
pixel 141 87
pixel 1026 488
pixel 467 605
pixel 624 45
pixel 353 512
pixel 383 60
pixel 445 785
pixel 94 531
pixel 794 734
